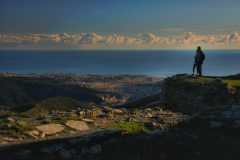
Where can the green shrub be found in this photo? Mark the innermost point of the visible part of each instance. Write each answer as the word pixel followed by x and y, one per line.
pixel 21 128
pixel 130 127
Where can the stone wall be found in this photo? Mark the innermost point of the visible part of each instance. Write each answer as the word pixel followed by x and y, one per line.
pixel 61 149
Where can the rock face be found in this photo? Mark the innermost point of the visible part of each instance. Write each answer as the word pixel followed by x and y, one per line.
pixel 78 125
pixel 49 129
pixel 190 94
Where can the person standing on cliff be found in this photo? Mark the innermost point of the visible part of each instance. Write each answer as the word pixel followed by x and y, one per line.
pixel 198 61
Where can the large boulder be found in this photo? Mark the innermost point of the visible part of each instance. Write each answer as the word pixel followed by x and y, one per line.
pixel 50 129
pixel 189 94
pixel 78 125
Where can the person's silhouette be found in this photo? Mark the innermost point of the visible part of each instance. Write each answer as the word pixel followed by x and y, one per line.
pixel 198 61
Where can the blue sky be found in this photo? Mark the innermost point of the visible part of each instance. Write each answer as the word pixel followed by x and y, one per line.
pixel 122 17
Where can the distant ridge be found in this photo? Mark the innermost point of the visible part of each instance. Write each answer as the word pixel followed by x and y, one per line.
pixel 21 91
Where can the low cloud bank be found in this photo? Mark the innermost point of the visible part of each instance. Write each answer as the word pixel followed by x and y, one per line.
pixel 149 39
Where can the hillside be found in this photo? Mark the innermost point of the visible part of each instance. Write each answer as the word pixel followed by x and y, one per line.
pixel 192 118
pixel 19 91
pixel 52 104
pixel 148 101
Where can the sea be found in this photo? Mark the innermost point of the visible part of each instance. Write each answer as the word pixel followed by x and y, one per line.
pixel 152 63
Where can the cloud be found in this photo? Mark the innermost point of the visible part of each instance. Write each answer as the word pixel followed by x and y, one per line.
pixel 235 37
pixel 211 39
pixel 115 39
pixel 149 39
pixel 91 38
pixel 192 38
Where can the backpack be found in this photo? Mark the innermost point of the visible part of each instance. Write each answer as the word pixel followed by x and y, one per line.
pixel 200 57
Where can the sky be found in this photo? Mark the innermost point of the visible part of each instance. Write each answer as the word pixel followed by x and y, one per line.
pixel 119 24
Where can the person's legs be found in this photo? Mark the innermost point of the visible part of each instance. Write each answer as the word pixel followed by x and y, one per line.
pixel 194 66
pixel 198 69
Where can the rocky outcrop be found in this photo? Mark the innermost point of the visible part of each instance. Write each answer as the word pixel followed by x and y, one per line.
pixel 85 121
pixel 189 94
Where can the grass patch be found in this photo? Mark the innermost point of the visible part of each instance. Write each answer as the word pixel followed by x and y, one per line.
pixel 16 129
pixel 59 121
pixel 199 79
pixel 3 122
pixel 130 127
pixel 234 83
pixel 64 120
pixel 21 128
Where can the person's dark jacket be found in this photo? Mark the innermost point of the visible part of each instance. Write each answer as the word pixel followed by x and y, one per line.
pixel 199 57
